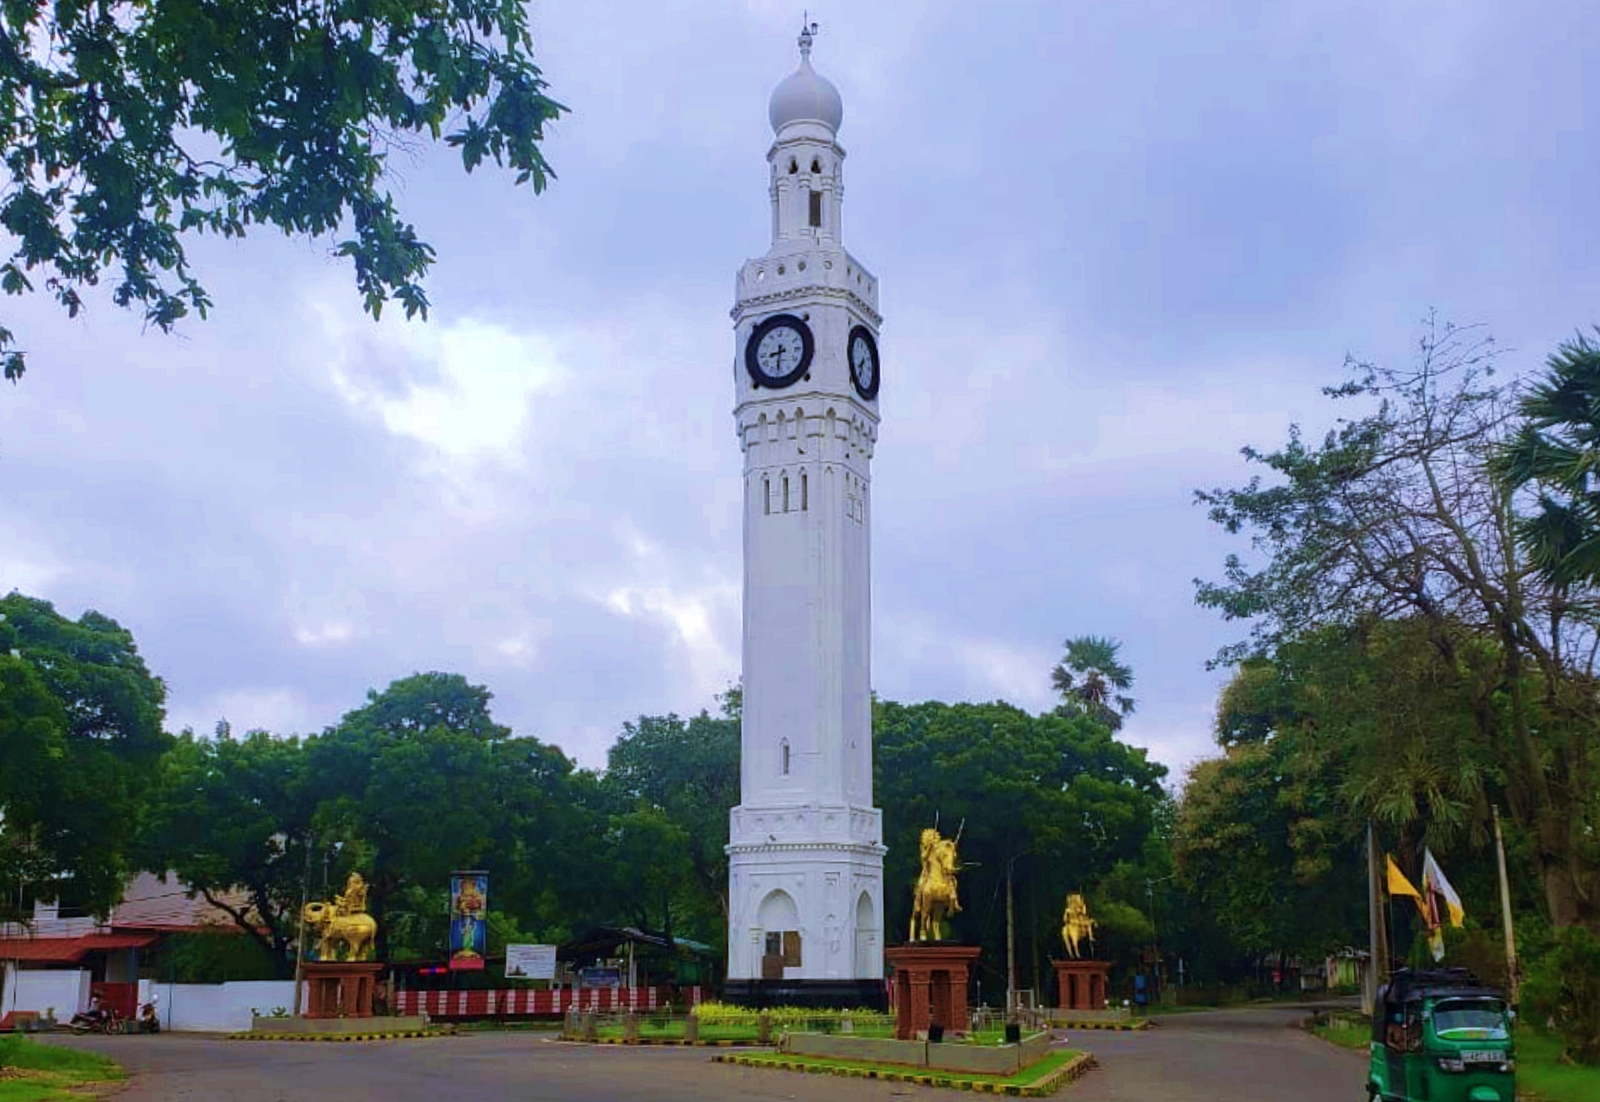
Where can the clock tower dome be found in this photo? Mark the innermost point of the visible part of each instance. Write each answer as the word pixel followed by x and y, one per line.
pixel 805 853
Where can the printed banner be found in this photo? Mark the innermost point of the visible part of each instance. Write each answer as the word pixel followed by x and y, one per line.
pixel 469 933
pixel 531 962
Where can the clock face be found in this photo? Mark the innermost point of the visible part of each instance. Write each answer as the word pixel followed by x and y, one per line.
pixel 779 351
pixel 864 362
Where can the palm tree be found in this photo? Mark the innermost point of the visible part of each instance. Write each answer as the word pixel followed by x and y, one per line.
pixel 1091 680
pixel 1557 450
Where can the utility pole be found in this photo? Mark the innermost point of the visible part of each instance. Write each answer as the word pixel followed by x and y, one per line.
pixel 1505 909
pixel 300 938
pixel 1011 945
pixel 1155 936
pixel 1378 940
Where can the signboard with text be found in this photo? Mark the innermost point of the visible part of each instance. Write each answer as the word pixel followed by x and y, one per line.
pixel 531 962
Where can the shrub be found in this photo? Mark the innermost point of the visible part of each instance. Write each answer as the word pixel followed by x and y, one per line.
pixel 781 1015
pixel 1563 990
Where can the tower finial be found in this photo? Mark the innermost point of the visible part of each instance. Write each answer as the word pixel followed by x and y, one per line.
pixel 808 31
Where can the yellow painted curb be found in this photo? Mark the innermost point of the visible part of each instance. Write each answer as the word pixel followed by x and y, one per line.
pixel 1142 1023
pixel 1037 1089
pixel 408 1035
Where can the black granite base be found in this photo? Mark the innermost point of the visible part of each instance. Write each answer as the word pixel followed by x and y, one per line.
pixel 821 994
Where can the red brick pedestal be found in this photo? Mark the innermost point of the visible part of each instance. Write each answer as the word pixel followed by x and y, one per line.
pixel 340 989
pixel 1082 984
pixel 930 986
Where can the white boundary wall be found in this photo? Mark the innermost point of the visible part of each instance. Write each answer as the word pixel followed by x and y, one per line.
pixel 65 990
pixel 216 1007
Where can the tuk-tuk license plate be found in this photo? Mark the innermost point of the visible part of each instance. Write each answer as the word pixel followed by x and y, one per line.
pixel 1483 1056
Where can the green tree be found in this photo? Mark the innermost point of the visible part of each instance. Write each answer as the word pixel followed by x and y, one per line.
pixel 1564 988
pixel 1076 802
pixel 226 814
pixel 80 735
pixel 416 780
pixel 1554 453
pixel 129 126
pixel 689 771
pixel 1093 682
pixel 650 859
pixel 1395 517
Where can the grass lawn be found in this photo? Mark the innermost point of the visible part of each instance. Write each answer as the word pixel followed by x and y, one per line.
pixel 1163 1011
pixel 1346 1036
pixel 1540 1076
pixel 1023 1078
pixel 31 1072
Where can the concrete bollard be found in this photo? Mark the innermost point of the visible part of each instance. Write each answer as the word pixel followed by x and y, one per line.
pixel 691 1030
pixel 630 1028
pixel 590 1030
pixel 764 1029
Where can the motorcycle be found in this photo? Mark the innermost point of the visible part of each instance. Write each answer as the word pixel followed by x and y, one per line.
pixel 96 1021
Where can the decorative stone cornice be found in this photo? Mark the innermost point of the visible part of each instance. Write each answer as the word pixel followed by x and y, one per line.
pixel 791 294
pixel 865 849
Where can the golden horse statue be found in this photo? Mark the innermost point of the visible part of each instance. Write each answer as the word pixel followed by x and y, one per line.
pixel 1076 925
pixel 935 897
pixel 343 922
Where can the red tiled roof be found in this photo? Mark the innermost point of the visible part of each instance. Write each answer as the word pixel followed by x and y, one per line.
pixel 68 950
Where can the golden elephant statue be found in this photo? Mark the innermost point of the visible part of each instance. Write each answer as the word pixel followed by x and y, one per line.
pixel 356 932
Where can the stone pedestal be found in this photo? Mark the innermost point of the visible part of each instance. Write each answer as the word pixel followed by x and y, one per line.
pixel 1082 984
pixel 340 989
pixel 930 986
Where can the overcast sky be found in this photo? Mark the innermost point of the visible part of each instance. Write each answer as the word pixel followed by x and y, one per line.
pixel 1116 241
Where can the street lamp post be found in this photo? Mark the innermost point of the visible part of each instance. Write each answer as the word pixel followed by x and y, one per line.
pixel 300 938
pixel 1155 940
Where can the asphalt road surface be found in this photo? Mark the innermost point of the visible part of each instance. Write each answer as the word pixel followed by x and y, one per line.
pixel 1234 1055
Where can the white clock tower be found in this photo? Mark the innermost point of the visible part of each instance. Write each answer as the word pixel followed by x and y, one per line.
pixel 805 857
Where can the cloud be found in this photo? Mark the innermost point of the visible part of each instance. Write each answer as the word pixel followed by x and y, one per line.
pixel 1115 244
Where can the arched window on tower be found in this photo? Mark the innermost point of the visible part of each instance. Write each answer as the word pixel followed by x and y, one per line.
pixel 766 496
pixel 804 492
pixel 816 166
pixel 786 493
pixel 783 758
pixel 793 166
pixel 816 208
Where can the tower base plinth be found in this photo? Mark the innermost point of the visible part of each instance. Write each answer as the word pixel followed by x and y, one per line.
pixel 821 994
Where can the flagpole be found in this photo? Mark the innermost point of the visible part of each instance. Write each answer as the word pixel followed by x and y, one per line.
pixel 1505 908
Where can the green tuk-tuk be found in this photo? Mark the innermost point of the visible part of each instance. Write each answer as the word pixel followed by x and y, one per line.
pixel 1441 1036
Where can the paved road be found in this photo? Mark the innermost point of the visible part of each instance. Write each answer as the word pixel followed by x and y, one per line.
pixel 1227 1055
pixel 1243 1055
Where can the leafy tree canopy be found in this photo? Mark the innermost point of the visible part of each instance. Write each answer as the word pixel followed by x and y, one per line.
pixel 411 779
pixel 251 796
pixel 129 126
pixel 1555 450
pixel 1395 518
pixel 688 772
pixel 1056 798
pixel 80 734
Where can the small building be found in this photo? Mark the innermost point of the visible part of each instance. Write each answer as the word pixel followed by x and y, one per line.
pixel 56 962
